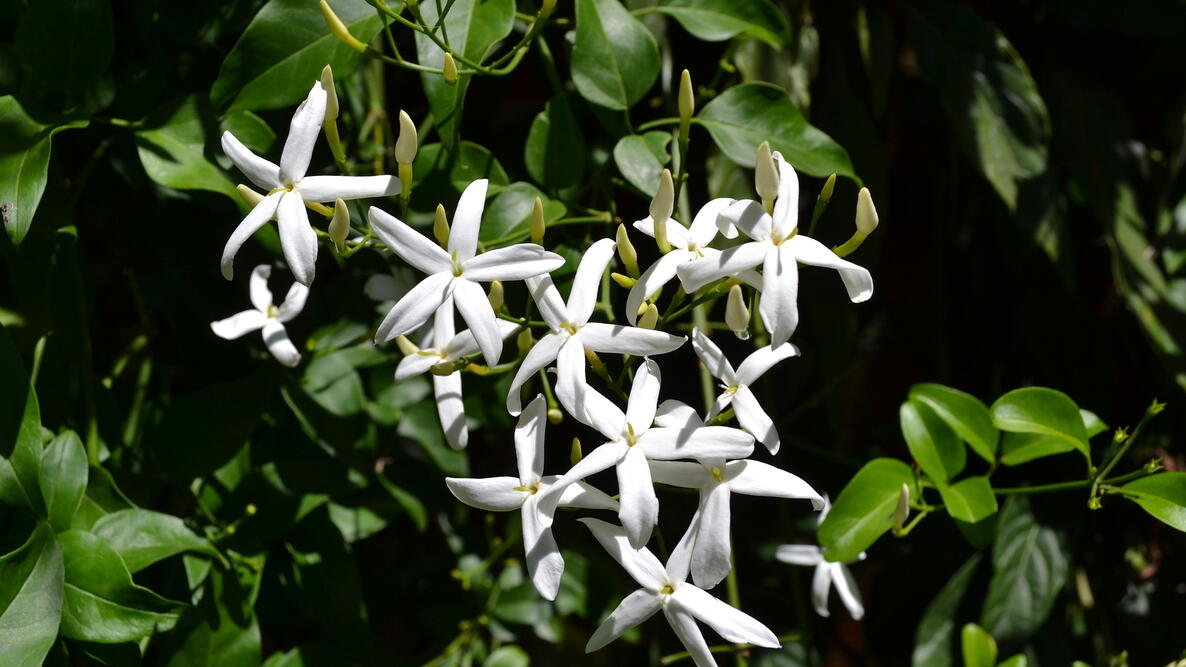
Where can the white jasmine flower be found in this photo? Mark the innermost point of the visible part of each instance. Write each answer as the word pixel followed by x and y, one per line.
pixel 827 574
pixel 503 494
pixel 777 247
pixel 288 189
pixel 443 358
pixel 717 479
pixel 457 272
pixel 666 588
pixel 572 333
pixel 631 441
pixel 736 384
pixel 267 316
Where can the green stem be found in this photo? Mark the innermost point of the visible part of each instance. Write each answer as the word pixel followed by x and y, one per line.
pixel 1152 411
pixel 1068 486
pixel 658 122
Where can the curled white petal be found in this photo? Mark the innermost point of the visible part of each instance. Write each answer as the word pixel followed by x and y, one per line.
pixel 494 494
pixel 239 324
pixel 638 562
pixel 587 282
pixel 261 296
pixel 297 237
pixel 329 188
pixel 517 262
pixel 631 611
pixel 255 219
pixel 416 306
pixel 302 135
pixel 857 279
pixel 409 244
pixel 262 172
pixel 276 338
pixel 467 220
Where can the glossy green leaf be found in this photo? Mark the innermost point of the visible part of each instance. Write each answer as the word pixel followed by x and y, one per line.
pixel 63 478
pixel 978 647
pixel 746 115
pixel 971 499
pixel 1019 660
pixel 174 147
pixel 442 175
pixel 281 53
pixel 24 162
pixel 933 443
pixel 30 599
pixel 718 20
pixel 1092 423
pixel 101 498
pixel 933 640
pixel 615 60
pixel 1030 564
pixel 555 152
pixel 422 425
pixel 864 509
pixel 1162 495
pixel 142 537
pixel 507 656
pixel 81 45
pixel 1041 411
pixel 1018 448
pixel 221 630
pixel 20 433
pixel 963 412
pixel 253 131
pixel 356 523
pixel 641 159
pixel 508 216
pixel 102 604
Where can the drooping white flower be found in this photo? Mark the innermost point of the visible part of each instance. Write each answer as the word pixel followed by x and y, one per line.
pixel 736 384
pixel 447 349
pixel 572 333
pixel 457 272
pixel 631 442
pixel 666 589
pixel 827 574
pixel 267 317
pixel 503 494
pixel 777 247
pixel 288 189
pixel 717 479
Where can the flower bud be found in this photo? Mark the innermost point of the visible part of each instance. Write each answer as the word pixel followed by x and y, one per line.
pixel 825 193
pixel 495 295
pixel 406 346
pixel 902 510
pixel 575 455
pixel 766 176
pixel 449 69
pixel 649 317
pixel 447 367
pixel 687 104
pixel 524 341
pixel 537 222
pixel 440 226
pixel 737 313
pixel 555 416
pixel 866 213
pixel 249 196
pixel 338 29
pixel 546 7
pixel 406 144
pixel 626 252
pixel 626 282
pixel 339 226
pixel 661 207
pixel 331 94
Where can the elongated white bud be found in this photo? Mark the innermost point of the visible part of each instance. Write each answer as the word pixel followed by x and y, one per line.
pixel 449 69
pixel 661 207
pixel 687 104
pixel 902 509
pixel 406 346
pixel 649 317
pixel 338 29
pixel 866 212
pixel 495 295
pixel 408 142
pixel 440 226
pixel 627 252
pixel 537 222
pixel 737 313
pixel 339 226
pixel 766 176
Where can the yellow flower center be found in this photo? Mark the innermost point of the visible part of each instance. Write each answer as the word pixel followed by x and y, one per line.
pixel 716 474
pixel 273 312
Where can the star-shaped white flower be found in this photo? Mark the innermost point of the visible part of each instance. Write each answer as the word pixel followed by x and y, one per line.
pixel 288 189
pixel 736 384
pixel 572 333
pixel 502 494
pixel 447 348
pixel 666 588
pixel 631 442
pixel 777 247
pixel 457 272
pixel 827 574
pixel 717 479
pixel 267 316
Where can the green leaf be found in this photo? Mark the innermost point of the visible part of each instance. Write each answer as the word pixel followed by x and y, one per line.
pixel 142 537
pixel 222 630
pixel 421 424
pixel 1162 495
pixel 522 604
pixel 1041 411
pixel 719 20
pixel 30 599
pixel 281 53
pixel 1020 660
pixel 173 148
pixel 509 215
pixel 356 523
pixel 472 28
pixel 102 604
pixel 63 478
pixel 407 501
pixel 932 641
pixel 979 648
pixel 615 60
pixel 1018 448
pixel 1030 564
pixel 864 510
pixel 573 595
pixel 1092 423
pixel 555 152
pixel 442 175
pixel 250 129
pixel 963 412
pixel 24 162
pixel 66 43
pixel 507 656
pixel 641 158
pixel 102 497
pixel 746 115
pixel 20 433
pixel 932 442
pixel 971 499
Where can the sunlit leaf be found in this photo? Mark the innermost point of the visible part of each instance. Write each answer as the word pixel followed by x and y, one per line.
pixel 615 60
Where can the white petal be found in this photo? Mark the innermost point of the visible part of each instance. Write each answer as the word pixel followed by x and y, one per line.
pixel 255 219
pixel 799 554
pixel 544 562
pixel 786 206
pixel 680 473
pixel 239 324
pixel 639 505
pixel 644 396
pixel 754 419
pixel 517 262
pixel 713 359
pixel 730 623
pixel 689 634
pixel 657 275
pixel 821 583
pixel 479 315
pixel 583 495
pixel 587 282
pixel 261 172
pixel 547 299
pixel 857 279
pixel 415 364
pixel 633 610
pixel 710 558
pixel 679 562
pixel 541 354
pixel 297 238
pixel 704 225
pixel 748 216
pixel 729 262
pixel 850 593
pixel 701 443
pixel 529 441
pixel 329 188
pixel 617 339
pixel 780 291
pixel 762 360
pixel 415 307
pixel 294 302
pixel 302 134
pixel 444 327
pixel 677 414
pixel 276 338
pixel 494 494
pixel 409 244
pixel 720 404
pixel 581 401
pixel 677 234
pixel 601 458
pixel 451 409
pixel 639 563
pixel 467 220
pixel 463 344
pixel 755 478
pixel 261 296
